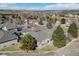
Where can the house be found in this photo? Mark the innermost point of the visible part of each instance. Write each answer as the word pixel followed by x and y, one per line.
pixel 7 37
pixel 42 34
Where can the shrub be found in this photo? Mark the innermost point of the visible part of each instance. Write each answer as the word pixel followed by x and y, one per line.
pixel 58 37
pixel 28 42
pixel 73 30
pixel 49 24
pixel 62 21
pixel 40 22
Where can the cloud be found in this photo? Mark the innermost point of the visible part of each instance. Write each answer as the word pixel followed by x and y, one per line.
pixel 3 5
pixel 58 6
pixel 7 5
pixel 13 6
pixel 34 8
pixel 62 6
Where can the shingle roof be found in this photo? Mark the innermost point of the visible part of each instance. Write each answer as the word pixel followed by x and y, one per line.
pixel 6 36
pixel 40 33
pixel 10 25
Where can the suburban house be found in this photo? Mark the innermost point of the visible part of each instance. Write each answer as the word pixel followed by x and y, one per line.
pixel 10 33
pixel 7 34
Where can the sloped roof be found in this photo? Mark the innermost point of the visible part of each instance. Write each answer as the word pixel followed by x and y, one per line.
pixel 9 25
pixel 7 36
pixel 40 33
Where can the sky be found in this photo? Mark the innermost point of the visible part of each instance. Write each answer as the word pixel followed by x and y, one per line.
pixel 39 6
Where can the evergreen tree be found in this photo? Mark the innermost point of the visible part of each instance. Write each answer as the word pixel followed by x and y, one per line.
pixel 40 22
pixel 62 21
pixel 55 20
pixel 28 42
pixel 49 24
pixel 58 37
pixel 73 30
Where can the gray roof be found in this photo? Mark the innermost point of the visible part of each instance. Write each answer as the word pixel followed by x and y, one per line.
pixel 1 25
pixel 6 36
pixel 40 33
pixel 10 25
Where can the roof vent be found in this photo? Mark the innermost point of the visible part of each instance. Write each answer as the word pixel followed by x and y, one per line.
pixel 5 29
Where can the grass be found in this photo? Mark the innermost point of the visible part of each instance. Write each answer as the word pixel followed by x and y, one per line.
pixel 47 48
pixel 60 17
pixel 15 47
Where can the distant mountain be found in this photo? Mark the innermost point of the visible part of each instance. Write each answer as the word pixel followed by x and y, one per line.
pixel 38 11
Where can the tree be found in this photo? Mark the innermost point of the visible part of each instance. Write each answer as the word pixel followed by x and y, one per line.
pixel 3 19
pixel 32 17
pixel 11 20
pixel 49 24
pixel 28 42
pixel 54 20
pixel 62 21
pixel 73 30
pixel 19 20
pixel 58 37
pixel 40 22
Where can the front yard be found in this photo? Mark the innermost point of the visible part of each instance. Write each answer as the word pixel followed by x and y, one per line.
pixel 16 48
pixel 47 48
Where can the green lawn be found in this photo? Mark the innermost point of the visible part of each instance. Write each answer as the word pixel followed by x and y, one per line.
pixel 47 48
pixel 15 47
